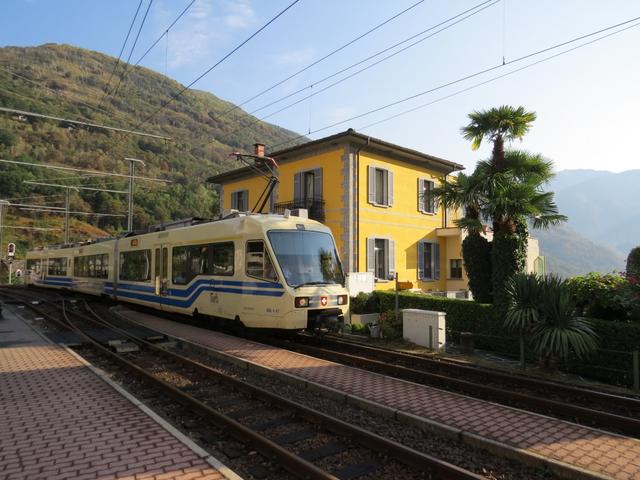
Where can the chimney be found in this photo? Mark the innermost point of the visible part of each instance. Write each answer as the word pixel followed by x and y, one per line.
pixel 259 149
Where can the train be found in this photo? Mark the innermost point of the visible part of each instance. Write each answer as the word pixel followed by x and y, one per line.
pixel 254 271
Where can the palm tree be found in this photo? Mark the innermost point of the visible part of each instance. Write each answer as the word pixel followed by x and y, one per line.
pixel 523 312
pixel 497 125
pixel 558 334
pixel 465 193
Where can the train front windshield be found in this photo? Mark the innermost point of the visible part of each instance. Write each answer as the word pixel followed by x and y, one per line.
pixel 307 257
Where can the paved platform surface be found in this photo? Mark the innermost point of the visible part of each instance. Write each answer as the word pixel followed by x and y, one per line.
pixel 606 454
pixel 58 420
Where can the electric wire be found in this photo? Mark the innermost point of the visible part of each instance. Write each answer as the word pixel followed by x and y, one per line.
pixel 206 72
pixel 135 42
pixel 348 77
pixel 117 62
pixel 486 70
pixel 166 32
pixel 333 52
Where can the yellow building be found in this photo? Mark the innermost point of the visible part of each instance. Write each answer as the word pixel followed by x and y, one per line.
pixel 374 196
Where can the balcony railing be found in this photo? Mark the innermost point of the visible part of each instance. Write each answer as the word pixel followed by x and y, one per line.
pixel 315 207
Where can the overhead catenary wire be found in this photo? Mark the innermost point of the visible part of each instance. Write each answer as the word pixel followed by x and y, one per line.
pixel 81 123
pixel 397 44
pixel 124 44
pixel 481 72
pixel 166 32
pixel 135 42
pixel 460 18
pixel 88 214
pixel 75 169
pixel 328 55
pixel 206 72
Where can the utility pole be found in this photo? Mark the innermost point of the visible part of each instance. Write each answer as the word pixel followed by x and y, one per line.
pixel 2 205
pixel 132 173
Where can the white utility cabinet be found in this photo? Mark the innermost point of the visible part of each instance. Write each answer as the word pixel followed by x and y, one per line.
pixel 424 327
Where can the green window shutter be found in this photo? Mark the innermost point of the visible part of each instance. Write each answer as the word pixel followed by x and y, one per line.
pixel 436 261
pixel 420 260
pixel 433 200
pixel 389 188
pixel 420 196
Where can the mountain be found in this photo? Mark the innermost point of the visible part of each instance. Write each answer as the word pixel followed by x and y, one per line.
pixel 604 221
pixel 568 253
pixel 69 82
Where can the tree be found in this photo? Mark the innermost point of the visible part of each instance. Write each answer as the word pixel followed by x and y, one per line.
pixel 498 124
pixel 558 335
pixel 543 308
pixel 525 298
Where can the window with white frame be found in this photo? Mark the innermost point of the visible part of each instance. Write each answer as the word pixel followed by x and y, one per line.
pixel 307 187
pixel 380 186
pixel 240 200
pixel 426 201
pixel 428 260
pixel 455 268
pixel 381 258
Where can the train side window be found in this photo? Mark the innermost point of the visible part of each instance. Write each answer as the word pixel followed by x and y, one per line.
pixel 57 266
pixel 259 262
pixel 135 266
pixel 180 265
pixel 222 262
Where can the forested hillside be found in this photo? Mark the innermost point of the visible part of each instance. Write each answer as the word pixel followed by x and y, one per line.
pixel 69 82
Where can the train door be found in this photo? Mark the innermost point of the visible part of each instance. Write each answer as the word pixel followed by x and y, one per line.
pixel 161 272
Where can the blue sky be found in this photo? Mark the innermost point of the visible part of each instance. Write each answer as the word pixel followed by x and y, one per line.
pixel 587 101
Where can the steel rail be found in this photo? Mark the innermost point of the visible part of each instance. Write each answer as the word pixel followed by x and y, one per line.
pixel 368 439
pixel 292 463
pixel 286 459
pixel 491 374
pixel 622 423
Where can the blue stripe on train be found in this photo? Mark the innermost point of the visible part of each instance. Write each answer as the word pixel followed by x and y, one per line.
pixel 186 292
pixel 189 301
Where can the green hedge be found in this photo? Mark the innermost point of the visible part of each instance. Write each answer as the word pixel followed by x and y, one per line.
pixel 462 316
pixel 612 363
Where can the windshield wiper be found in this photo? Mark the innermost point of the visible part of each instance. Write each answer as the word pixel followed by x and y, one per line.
pixel 305 284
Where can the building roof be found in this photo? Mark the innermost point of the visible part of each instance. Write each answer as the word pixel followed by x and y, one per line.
pixel 372 144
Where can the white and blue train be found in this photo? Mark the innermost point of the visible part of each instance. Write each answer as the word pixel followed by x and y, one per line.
pixel 259 271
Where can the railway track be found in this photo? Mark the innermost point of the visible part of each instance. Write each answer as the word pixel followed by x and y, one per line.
pixel 589 407
pixel 303 441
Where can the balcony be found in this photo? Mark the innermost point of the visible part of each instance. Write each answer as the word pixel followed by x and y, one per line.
pixel 315 207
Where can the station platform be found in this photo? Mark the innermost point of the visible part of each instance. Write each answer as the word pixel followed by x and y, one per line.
pixel 59 420
pixel 575 449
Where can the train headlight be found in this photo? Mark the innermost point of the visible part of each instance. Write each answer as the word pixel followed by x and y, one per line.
pixel 302 302
pixel 342 299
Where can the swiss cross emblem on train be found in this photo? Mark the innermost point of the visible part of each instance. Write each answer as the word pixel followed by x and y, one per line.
pixel 323 301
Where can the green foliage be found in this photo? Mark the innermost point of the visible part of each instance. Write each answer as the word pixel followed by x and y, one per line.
pixel 201 137
pixel 633 262
pixel 504 122
pixel 390 326
pixel 525 297
pixel 363 303
pixel 476 252
pixel 359 329
pixel 507 260
pixel 598 296
pixel 7 138
pixel 559 334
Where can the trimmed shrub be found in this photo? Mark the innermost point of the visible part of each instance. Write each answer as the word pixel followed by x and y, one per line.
pixel 476 252
pixel 390 326
pixel 363 303
pixel 598 296
pixel 507 259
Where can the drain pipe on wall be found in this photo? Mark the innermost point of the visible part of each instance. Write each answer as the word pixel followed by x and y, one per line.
pixel 357 206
